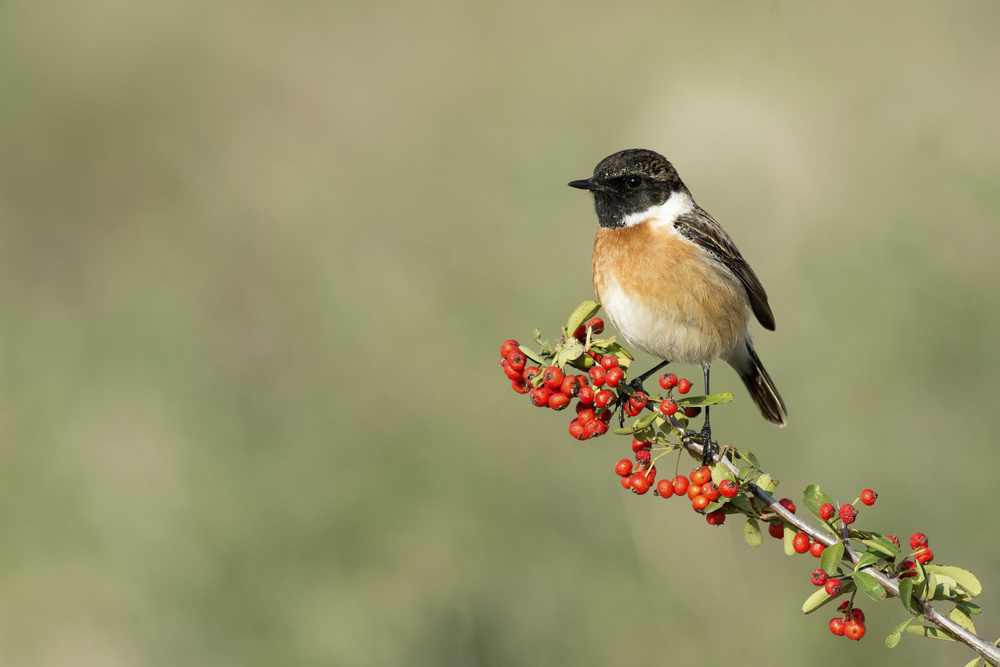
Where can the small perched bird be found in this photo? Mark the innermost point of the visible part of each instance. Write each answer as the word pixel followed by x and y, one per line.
pixel 670 278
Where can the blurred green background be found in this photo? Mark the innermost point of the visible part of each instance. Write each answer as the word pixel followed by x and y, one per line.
pixel 257 260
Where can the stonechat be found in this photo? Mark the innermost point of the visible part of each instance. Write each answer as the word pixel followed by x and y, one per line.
pixel 670 278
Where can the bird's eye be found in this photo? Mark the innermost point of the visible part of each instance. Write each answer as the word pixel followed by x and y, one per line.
pixel 632 182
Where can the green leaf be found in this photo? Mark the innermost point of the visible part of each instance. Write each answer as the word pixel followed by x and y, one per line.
pixel 945 588
pixel 975 661
pixel 868 585
pixel 927 631
pixel 865 559
pixel 721 471
pixel 831 558
pixel 766 484
pixel 820 597
pixel 751 532
pixel 959 616
pixel 812 498
pixel 906 596
pixel 815 601
pixel 882 545
pixel 742 503
pixel 789 537
pixel 897 631
pixel 581 314
pixel 711 399
pixel 971 607
pixel 965 579
pixel 749 456
pixel 531 355
pixel 568 351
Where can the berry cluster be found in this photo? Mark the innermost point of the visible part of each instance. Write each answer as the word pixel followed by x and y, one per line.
pixel 852 625
pixel 592 371
pixel 555 388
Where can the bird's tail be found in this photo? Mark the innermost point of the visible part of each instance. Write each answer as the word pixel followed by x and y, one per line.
pixel 747 364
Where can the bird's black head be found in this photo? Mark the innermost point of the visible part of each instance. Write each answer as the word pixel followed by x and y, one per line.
pixel 630 182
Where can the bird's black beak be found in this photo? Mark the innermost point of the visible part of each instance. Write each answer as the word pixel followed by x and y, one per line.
pixel 586 184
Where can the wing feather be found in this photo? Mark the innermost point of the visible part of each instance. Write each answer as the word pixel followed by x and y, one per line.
pixel 702 229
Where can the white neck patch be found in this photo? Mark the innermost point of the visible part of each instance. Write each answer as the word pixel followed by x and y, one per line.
pixel 676 205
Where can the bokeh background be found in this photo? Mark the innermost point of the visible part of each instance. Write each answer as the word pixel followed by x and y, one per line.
pixel 257 260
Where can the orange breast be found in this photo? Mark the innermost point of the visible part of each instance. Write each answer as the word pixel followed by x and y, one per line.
pixel 666 295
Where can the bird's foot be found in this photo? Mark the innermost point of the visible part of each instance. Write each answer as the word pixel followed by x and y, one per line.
pixel 707 449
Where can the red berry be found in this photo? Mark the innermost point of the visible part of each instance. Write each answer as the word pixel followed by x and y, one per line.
pixel 520 386
pixel 844 606
pixel 643 456
pixel 668 381
pixel 586 395
pixel 776 530
pixel 596 324
pixel 893 538
pixel 868 497
pixel 570 386
pixel 857 615
pixel 818 577
pixel 693 490
pixel 530 372
pixel 630 408
pixel 552 377
pixel 681 485
pixel 710 491
pixel 699 502
pixel 627 482
pixel 558 400
pixel 623 468
pixel 604 416
pixel 517 360
pixel 665 488
pixel 580 333
pixel 577 430
pixel 597 374
pixel 826 511
pixel 728 488
pixel 608 362
pixel 716 517
pixel 639 483
pixel 539 396
pixel 585 415
pixel 508 346
pixel 700 475
pixel 787 504
pixel 800 543
pixel 639 400
pixel 510 371
pixel 692 411
pixel 907 569
pixel 668 407
pixel 848 514
pixel 855 630
pixel 833 587
pixel 837 626
pixel 816 549
pixel 614 376
pixel 924 556
pixel 918 540
pixel 604 398
pixel 638 444
pixel 683 385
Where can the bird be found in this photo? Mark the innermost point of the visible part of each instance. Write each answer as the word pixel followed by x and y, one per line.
pixel 670 278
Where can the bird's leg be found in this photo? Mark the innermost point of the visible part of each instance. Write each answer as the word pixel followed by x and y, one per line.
pixel 636 384
pixel 706 430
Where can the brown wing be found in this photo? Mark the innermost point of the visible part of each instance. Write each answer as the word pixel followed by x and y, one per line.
pixel 702 229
